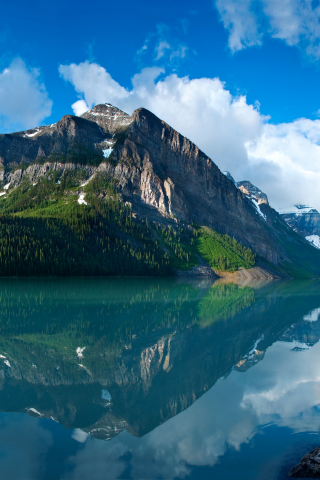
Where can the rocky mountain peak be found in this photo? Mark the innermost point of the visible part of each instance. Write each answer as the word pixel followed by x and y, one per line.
pixel 108 117
pixel 228 175
pixel 252 191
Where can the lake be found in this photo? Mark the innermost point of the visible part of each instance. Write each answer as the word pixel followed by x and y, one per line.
pixel 149 379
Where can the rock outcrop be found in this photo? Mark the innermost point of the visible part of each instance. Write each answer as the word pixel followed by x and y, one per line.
pixel 108 117
pixel 253 192
pixel 309 466
pixel 69 134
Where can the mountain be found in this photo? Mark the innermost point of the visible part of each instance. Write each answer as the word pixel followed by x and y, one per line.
pixel 108 193
pixel 305 220
pixel 302 219
pixel 253 192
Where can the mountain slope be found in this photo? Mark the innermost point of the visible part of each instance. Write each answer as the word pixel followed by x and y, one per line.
pixel 134 180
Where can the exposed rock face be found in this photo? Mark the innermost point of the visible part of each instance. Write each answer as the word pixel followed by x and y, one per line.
pixel 165 170
pixel 309 466
pixel 68 134
pixel 36 171
pixel 252 191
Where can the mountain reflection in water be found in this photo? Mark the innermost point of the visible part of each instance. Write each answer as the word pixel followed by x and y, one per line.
pixel 105 356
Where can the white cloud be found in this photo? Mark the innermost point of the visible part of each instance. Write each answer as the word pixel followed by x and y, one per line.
pixel 293 148
pixel 241 22
pixel 180 52
pixel 296 22
pixel 161 48
pixel 283 160
pixel 82 76
pixel 289 393
pixel 79 435
pixel 24 101
pixel 79 107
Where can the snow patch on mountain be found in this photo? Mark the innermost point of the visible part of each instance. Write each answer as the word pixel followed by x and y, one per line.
pixel 312 316
pixel 255 203
pixel 105 395
pixel 33 410
pixel 81 200
pixel 107 152
pixel 30 135
pixel 314 240
pixel 297 210
pixel 80 351
pixel 228 175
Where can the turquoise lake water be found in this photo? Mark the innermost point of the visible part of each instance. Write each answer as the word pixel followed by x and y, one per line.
pixel 149 379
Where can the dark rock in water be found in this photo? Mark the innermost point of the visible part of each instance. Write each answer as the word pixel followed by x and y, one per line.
pixel 309 466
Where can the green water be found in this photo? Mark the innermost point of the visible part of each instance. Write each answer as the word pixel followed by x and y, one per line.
pixel 157 378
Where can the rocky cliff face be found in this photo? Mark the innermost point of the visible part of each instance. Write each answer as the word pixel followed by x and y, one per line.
pixel 70 133
pixel 159 168
pixel 162 174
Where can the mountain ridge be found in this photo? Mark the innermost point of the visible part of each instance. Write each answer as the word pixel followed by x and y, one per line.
pixel 160 175
pixel 303 219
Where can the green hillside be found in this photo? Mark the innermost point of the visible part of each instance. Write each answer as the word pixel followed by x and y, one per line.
pixel 304 258
pixel 45 231
pixel 222 252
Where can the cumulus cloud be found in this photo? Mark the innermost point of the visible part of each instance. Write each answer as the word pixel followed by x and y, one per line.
pixel 24 101
pixel 283 160
pixel 292 151
pixel 241 22
pixel 296 22
pixel 93 81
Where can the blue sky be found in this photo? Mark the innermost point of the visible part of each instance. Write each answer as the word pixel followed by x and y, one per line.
pixel 263 54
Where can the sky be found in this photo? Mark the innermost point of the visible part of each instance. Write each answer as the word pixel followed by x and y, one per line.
pixel 240 78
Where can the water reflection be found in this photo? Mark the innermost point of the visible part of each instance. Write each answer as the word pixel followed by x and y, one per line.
pixel 114 359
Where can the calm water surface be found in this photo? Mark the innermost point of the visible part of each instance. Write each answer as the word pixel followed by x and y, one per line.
pixel 157 379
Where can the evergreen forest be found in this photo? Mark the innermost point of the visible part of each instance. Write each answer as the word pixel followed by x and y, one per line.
pixel 65 225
